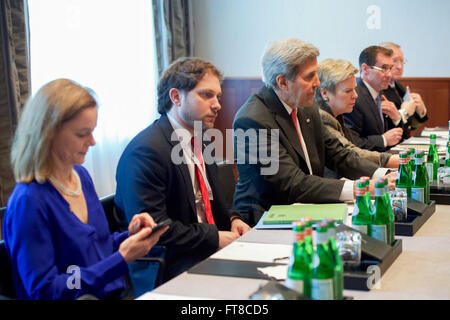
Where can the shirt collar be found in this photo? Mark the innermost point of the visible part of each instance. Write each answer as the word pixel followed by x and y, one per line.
pixel 183 134
pixel 372 91
pixel 288 108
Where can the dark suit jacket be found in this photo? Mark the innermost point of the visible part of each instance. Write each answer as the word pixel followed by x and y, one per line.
pixel 365 120
pixel 256 193
pixel 148 181
pixel 396 95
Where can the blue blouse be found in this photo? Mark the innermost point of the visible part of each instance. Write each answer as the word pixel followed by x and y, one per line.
pixel 53 254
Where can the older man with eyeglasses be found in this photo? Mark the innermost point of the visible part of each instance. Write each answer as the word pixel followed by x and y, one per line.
pixel 409 104
pixel 376 119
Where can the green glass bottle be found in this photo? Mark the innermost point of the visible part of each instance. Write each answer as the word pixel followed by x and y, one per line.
pixel 368 196
pixel 322 275
pixel 412 164
pixel 407 166
pixel 391 212
pixel 447 156
pixel 300 264
pixel 381 224
pixel 403 181
pixel 338 283
pixel 420 184
pixel 361 217
pixel 308 236
pixel 432 159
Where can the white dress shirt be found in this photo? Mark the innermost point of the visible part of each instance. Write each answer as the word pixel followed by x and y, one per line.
pixel 184 136
pixel 347 190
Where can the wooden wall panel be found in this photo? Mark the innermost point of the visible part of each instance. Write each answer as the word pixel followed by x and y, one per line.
pixel 435 93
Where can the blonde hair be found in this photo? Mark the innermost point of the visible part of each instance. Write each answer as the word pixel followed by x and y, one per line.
pixel 55 103
pixel 284 57
pixel 331 72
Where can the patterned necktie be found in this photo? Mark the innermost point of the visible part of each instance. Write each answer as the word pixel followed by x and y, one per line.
pixel 294 120
pixel 201 183
pixel 380 111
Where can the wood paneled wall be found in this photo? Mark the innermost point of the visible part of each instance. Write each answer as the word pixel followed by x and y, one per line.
pixel 435 93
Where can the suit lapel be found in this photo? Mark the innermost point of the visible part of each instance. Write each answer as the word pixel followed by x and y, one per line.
pixel 283 118
pixel 371 105
pixel 308 133
pixel 168 130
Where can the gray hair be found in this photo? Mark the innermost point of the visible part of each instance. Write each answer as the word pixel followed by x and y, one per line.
pixel 389 45
pixel 54 104
pixel 331 72
pixel 284 57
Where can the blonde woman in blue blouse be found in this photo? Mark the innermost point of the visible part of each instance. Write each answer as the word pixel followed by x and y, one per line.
pixel 54 221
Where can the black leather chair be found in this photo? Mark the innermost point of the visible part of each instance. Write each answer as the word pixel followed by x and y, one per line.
pixel 227 181
pixel 153 262
pixel 6 282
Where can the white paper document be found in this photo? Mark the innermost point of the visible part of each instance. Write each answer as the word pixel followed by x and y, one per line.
pixel 424 141
pixel 275 272
pixel 438 133
pixel 249 251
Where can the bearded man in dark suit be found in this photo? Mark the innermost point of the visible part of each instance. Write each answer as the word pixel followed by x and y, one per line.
pixel 162 173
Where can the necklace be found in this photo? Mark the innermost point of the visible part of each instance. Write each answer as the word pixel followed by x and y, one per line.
pixel 66 190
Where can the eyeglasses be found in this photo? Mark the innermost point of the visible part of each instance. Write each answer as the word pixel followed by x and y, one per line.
pixel 384 69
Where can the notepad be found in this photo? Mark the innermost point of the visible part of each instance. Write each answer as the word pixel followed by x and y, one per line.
pixel 286 214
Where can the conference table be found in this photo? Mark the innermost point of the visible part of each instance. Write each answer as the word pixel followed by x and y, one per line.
pixel 421 271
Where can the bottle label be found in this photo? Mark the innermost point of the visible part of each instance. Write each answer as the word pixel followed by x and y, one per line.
pixel 321 237
pixel 432 141
pixel 379 232
pixel 322 289
pixel 296 285
pixel 405 190
pixel 361 228
pixel 299 236
pixel 403 160
pixel 430 171
pixel 418 194
pixel 379 192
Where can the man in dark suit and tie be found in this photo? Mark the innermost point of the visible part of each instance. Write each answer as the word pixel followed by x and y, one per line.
pixel 281 146
pixel 375 118
pixel 163 171
pixel 410 105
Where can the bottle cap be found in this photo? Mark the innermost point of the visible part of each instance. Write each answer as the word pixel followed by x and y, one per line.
pixel 321 227
pixel 419 154
pixel 379 184
pixel 298 226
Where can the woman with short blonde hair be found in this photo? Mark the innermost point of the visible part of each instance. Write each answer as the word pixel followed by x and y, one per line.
pixel 335 96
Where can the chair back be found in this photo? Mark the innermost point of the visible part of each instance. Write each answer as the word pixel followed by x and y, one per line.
pixel 6 280
pixel 114 221
pixel 145 273
pixel 2 214
pixel 227 181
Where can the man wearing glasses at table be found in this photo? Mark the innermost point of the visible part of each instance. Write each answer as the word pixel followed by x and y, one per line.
pixel 409 104
pixel 376 119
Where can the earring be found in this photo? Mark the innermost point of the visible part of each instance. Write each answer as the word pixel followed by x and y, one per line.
pixel 325 99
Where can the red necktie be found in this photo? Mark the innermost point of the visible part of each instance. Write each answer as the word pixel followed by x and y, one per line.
pixel 201 183
pixel 294 119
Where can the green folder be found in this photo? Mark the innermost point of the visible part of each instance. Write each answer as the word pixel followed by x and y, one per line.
pixel 286 214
